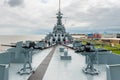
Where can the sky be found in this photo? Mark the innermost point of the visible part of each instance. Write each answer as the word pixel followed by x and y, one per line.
pixel 25 17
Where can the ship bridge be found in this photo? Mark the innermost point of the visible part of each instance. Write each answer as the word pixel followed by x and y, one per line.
pixel 59 34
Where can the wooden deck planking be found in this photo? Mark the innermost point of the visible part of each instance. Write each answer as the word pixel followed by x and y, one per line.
pixel 40 71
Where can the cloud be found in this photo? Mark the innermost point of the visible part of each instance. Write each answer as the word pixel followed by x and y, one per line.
pixel 99 16
pixel 82 16
pixel 14 3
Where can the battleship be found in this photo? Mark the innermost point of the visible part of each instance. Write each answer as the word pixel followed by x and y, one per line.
pixel 58 57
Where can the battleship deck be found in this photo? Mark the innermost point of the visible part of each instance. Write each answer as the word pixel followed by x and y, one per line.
pixel 60 69
pixel 71 69
pixel 40 71
pixel 37 59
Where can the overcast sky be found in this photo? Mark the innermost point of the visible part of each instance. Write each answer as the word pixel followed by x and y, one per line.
pixel 38 16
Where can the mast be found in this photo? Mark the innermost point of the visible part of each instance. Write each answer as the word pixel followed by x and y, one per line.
pixel 59 15
pixel 59 5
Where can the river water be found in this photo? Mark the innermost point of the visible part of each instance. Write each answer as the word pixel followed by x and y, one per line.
pixel 8 39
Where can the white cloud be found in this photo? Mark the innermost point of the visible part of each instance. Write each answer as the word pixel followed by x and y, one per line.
pixel 30 16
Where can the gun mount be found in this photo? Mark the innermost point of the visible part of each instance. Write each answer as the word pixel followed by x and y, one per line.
pixel 91 53
pixel 27 68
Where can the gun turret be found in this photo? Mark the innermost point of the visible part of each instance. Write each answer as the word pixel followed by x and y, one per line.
pixel 30 45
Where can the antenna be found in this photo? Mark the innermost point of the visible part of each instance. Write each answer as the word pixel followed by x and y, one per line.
pixel 59 5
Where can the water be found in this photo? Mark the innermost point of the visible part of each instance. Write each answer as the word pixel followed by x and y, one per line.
pixel 8 39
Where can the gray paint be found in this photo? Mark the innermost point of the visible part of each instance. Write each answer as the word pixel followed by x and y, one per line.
pixel 19 59
pixel 65 56
pixel 106 58
pixel 113 72
pixel 17 53
pixel 77 44
pixel 61 49
pixel 102 57
pixel 113 59
pixel 11 56
pixel 4 72
pixel 41 44
pixel 5 58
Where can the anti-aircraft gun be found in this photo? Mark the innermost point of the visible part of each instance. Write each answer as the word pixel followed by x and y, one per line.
pixel 24 51
pixel 91 53
pixel 28 48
